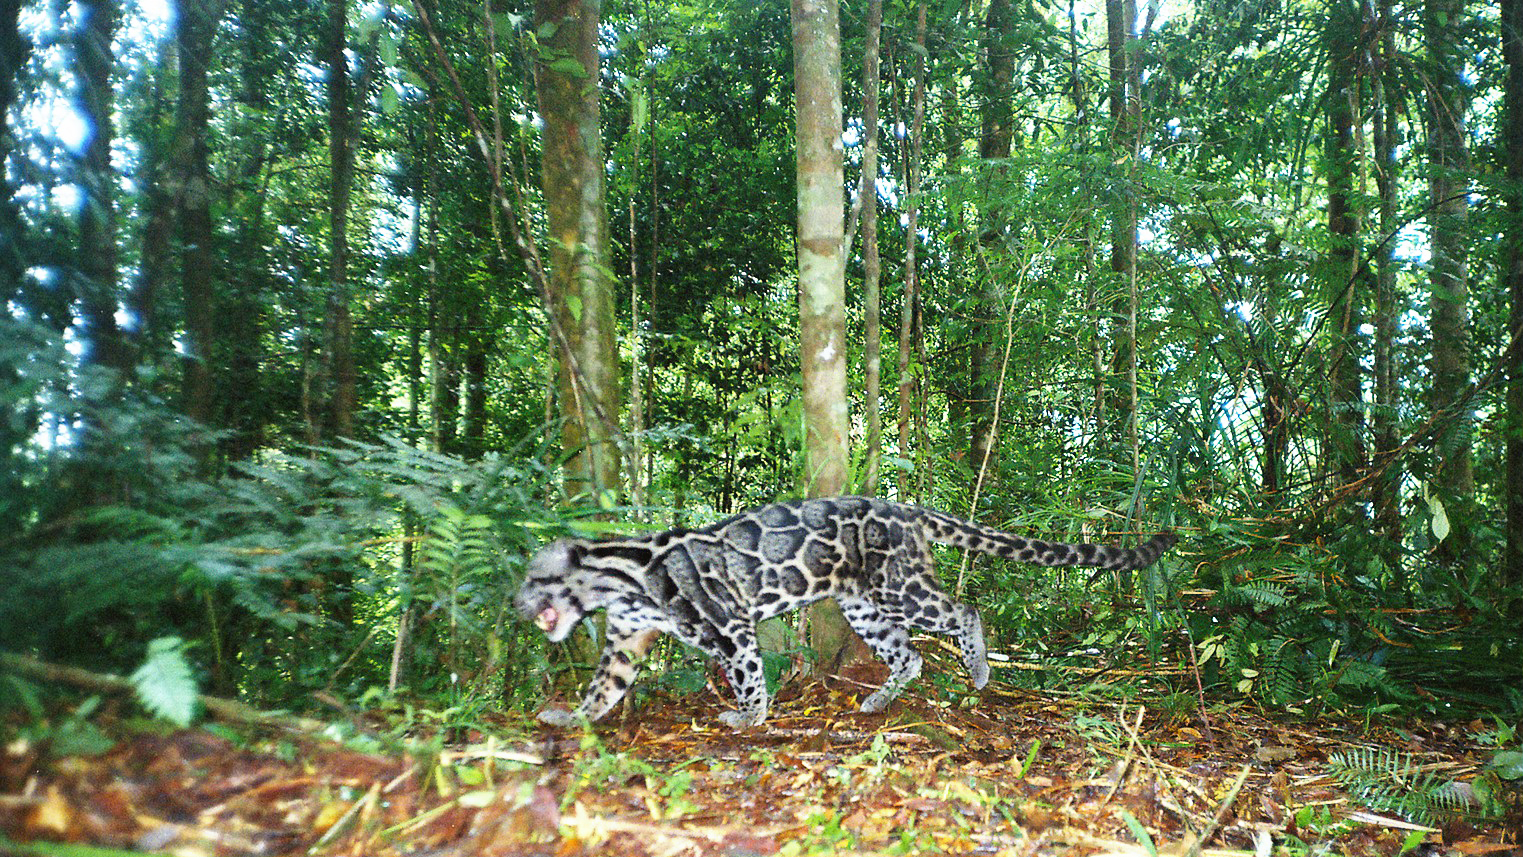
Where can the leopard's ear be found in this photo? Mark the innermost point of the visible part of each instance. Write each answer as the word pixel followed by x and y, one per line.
pixel 574 553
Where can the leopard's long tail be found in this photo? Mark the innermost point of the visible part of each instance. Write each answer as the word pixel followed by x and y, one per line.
pixel 949 530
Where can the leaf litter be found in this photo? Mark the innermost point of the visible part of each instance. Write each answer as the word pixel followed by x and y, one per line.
pixel 1011 772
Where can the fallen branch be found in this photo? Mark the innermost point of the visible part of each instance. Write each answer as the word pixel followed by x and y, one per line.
pixel 230 710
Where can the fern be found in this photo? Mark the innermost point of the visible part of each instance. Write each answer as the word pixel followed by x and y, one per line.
pixel 1388 781
pixel 164 682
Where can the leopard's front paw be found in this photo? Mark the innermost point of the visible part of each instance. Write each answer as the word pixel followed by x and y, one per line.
pixel 878 701
pixel 557 718
pixel 979 671
pixel 739 720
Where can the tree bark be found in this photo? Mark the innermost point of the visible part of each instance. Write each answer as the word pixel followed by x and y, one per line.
pixel 821 227
pixel 14 51
pixel 911 336
pixel 581 290
pixel 1448 168
pixel 1120 19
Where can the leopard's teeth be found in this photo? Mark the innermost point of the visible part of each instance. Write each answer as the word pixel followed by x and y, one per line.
pixel 546 619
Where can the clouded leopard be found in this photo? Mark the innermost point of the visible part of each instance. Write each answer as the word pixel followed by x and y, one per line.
pixel 710 586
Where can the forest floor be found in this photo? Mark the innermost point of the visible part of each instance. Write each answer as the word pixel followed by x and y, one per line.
pixel 1015 772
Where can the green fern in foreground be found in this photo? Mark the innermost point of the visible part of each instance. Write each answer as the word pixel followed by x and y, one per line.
pixel 1385 780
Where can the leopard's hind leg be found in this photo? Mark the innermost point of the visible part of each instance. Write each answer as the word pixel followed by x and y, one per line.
pixel 891 643
pixel 930 609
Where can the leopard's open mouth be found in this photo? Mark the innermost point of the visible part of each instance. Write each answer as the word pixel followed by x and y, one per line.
pixel 547 618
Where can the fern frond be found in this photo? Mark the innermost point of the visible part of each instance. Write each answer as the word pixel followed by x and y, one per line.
pixel 1389 781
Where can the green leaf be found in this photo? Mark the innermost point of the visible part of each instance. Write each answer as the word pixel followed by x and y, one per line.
pixel 1440 518
pixel 1508 764
pixel 1140 832
pixel 164 682
pixel 569 66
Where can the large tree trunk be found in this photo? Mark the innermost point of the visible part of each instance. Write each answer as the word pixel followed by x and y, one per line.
pixel 1448 168
pixel 822 280
pixel 821 226
pixel 1510 143
pixel 581 291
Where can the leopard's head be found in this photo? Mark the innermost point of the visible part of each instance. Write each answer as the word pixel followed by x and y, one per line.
pixel 555 594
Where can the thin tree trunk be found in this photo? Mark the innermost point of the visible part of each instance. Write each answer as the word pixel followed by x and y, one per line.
pixel 1510 140
pixel 996 138
pixel 1345 225
pixel 911 386
pixel 96 278
pixel 195 27
pixel 338 391
pixel 1449 165
pixel 474 383
pixel 867 195
pixel 581 291
pixel 1386 489
pixel 14 52
pixel 1120 17
pixel 246 283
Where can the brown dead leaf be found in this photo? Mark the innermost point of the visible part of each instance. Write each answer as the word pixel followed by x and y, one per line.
pixel 52 817
pixel 1270 754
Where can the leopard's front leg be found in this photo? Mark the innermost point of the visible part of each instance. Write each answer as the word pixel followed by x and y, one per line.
pixel 614 674
pixel 743 666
